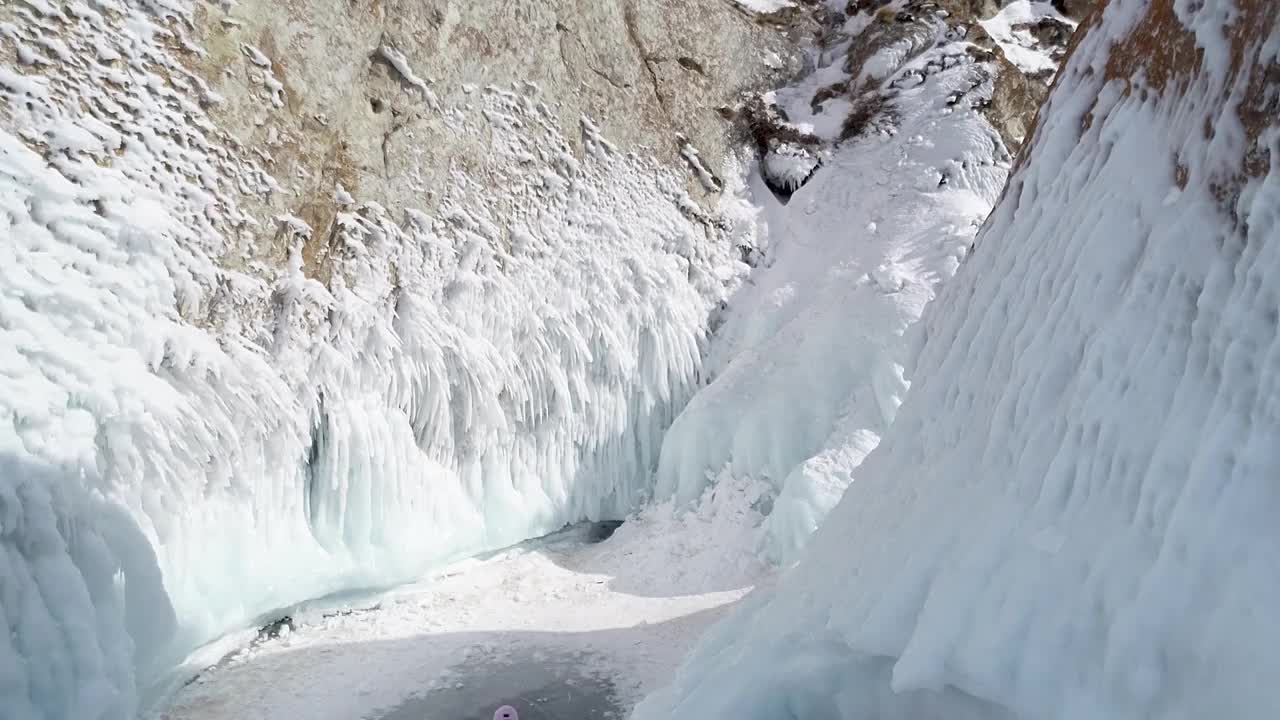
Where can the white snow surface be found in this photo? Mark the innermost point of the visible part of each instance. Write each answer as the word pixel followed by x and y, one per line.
pixel 195 434
pixel 1073 515
pixel 807 368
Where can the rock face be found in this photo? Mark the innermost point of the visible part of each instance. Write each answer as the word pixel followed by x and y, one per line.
pixel 1073 515
pixel 1074 8
pixel 373 95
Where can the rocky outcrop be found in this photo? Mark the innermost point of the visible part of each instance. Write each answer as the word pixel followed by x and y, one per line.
pixel 1015 98
pixel 1076 9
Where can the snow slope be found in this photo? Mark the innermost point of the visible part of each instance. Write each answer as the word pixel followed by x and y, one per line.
pixel 807 368
pixel 1073 515
pixel 198 427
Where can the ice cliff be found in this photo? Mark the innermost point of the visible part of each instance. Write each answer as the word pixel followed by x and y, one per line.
pixel 1073 515
pixel 299 298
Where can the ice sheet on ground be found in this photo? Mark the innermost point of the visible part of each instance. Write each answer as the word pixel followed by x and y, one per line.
pixel 545 687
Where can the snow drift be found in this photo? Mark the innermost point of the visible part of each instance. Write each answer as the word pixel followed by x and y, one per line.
pixel 1073 515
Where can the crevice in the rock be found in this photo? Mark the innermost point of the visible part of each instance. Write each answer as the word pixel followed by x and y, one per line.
pixel 646 60
pixel 563 30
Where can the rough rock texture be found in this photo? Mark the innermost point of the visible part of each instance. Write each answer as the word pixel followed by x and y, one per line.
pixel 642 69
pixel 1074 8
pixel 1015 99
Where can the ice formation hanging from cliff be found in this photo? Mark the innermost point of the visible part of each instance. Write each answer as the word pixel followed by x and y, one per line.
pixel 1073 515
pixel 208 415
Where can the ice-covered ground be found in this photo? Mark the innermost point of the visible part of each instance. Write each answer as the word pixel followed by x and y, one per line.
pixel 195 438
pixel 1073 515
pixel 558 628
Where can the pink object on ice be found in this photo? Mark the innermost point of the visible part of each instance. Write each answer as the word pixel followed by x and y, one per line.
pixel 506 712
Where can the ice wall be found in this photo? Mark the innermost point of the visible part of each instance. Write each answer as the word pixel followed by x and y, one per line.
pixel 1073 515
pixel 201 423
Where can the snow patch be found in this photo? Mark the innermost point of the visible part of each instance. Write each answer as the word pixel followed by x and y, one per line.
pixel 400 63
pixel 766 7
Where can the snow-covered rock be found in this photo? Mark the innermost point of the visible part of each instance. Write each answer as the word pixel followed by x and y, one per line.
pixel 1073 515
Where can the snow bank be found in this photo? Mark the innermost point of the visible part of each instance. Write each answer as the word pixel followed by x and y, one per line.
pixel 207 415
pixel 1073 515
pixel 808 364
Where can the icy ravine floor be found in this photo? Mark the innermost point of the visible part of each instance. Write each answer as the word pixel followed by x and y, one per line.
pixel 557 627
